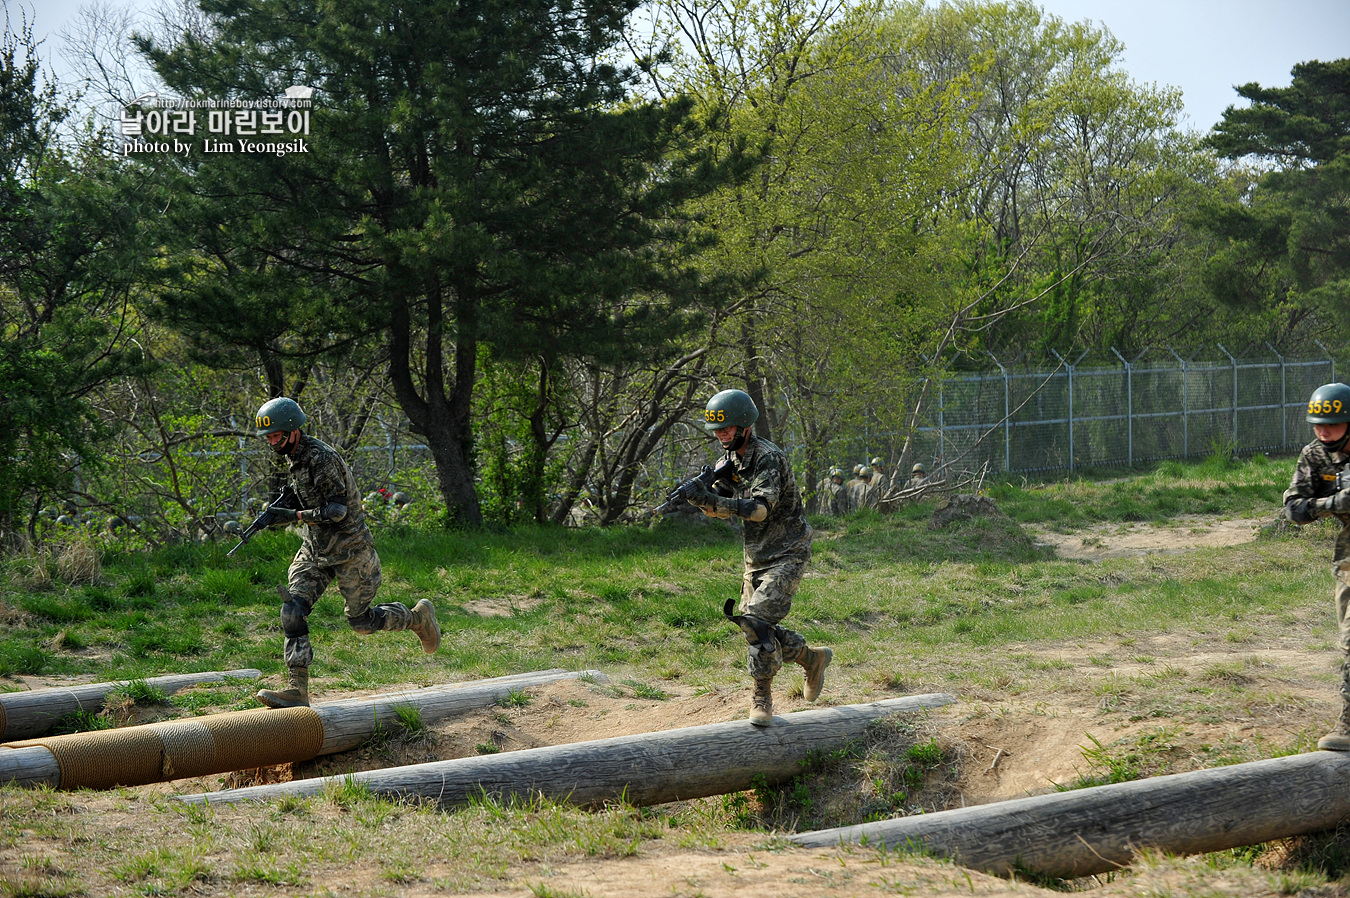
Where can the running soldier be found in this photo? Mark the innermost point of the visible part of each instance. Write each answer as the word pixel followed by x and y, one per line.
pixel 777 547
pixel 335 544
pixel 1318 490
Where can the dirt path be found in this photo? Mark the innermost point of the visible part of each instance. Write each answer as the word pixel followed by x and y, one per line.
pixel 1184 533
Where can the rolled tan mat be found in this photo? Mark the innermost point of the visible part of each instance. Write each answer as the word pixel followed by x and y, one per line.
pixel 130 756
pixel 176 749
pixel 262 737
pixel 189 749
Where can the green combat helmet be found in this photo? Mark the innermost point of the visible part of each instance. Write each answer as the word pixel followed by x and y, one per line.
pixel 1329 404
pixel 730 407
pixel 280 415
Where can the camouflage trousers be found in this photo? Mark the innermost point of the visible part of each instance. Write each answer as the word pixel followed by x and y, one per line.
pixel 358 578
pixel 1341 593
pixel 767 594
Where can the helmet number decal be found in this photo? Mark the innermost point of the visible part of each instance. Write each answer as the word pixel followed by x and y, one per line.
pixel 264 420
pixel 1325 407
pixel 716 416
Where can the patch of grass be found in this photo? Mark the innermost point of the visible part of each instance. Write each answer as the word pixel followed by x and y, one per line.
pixel 139 692
pixel 19 658
pixel 643 690
pixel 516 698
pixel 81 722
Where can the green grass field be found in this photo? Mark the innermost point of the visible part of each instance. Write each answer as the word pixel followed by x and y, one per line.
pixel 977 609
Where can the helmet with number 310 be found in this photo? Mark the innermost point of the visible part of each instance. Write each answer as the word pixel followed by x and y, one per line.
pixel 280 415
pixel 730 407
pixel 1329 404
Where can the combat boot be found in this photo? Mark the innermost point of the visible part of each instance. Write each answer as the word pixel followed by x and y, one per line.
pixel 1339 738
pixel 296 695
pixel 761 703
pixel 425 625
pixel 814 662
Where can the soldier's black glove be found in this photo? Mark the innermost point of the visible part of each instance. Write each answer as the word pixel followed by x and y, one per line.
pixel 1336 503
pixel 283 515
pixel 700 496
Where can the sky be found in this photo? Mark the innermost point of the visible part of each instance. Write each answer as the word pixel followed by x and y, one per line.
pixel 1204 47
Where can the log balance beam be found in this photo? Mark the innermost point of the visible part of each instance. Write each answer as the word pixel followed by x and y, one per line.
pixel 648 768
pixel 24 715
pixel 239 740
pixel 1099 829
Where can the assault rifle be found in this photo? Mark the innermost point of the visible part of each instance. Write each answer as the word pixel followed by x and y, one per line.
pixel 723 475
pixel 286 498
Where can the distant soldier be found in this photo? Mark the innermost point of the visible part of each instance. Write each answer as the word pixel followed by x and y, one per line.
pixel 764 496
pixel 1318 490
pixel 335 544
pixel 881 481
pixel 851 484
pixel 862 494
pixel 918 476
pixel 837 496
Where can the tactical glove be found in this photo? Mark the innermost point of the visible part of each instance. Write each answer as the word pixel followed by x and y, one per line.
pixel 283 515
pixel 1336 503
pixel 701 496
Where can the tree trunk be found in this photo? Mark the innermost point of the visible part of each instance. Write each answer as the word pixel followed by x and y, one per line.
pixel 27 714
pixel 1098 830
pixel 650 768
pixel 440 412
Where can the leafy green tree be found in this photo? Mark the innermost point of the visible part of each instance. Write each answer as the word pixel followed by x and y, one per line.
pixel 72 255
pixel 1287 238
pixel 476 177
pixel 835 227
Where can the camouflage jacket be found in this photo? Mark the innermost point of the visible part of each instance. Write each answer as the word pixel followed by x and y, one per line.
pixel 1315 478
pixel 764 474
pixel 324 483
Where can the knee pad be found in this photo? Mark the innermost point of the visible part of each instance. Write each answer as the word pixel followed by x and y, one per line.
pixel 757 632
pixel 294 621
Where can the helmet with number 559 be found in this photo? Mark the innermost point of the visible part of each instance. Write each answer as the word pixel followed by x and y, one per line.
pixel 1329 404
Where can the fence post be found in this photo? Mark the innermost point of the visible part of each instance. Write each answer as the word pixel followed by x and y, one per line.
pixel 1069 367
pixel 1129 408
pixel 1235 391
pixel 942 437
pixel 1007 413
pixel 1284 400
pixel 1185 409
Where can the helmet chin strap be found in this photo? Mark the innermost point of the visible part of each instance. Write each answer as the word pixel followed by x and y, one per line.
pixel 286 446
pixel 737 444
pixel 1339 444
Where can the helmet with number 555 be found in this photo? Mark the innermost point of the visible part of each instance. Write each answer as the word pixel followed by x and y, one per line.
pixel 730 407
pixel 1329 404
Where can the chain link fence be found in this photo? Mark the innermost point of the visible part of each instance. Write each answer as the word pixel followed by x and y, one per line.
pixel 1086 412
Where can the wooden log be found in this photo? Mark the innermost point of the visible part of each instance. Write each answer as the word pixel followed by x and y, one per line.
pixel 349 722
pixel 345 724
pixel 650 768
pixel 27 714
pixel 1099 829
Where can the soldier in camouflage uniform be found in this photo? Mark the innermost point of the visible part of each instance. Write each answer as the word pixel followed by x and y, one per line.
pixel 1315 493
pixel 777 539
pixel 335 544
pixel 837 496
